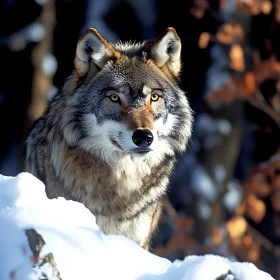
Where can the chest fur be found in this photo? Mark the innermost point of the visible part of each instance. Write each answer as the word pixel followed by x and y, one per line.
pixel 120 190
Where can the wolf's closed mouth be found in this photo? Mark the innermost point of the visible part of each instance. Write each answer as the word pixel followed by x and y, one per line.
pixel 141 151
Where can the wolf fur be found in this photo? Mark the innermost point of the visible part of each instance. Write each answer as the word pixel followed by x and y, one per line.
pixel 109 138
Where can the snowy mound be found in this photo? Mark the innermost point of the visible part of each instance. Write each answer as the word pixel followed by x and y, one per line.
pixel 80 250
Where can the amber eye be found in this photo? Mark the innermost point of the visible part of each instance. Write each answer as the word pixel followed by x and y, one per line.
pixel 154 97
pixel 115 98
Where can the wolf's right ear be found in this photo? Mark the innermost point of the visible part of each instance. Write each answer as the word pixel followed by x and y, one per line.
pixel 92 47
pixel 165 51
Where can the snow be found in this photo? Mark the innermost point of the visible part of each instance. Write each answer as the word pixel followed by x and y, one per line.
pixel 49 64
pixel 80 249
pixel 203 209
pixel 34 32
pixel 211 130
pixel 219 174
pixel 233 196
pixel 217 75
pixel 202 184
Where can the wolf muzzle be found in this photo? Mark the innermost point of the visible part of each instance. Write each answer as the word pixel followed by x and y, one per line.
pixel 143 138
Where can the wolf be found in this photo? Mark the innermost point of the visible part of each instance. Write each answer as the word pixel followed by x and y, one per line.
pixel 110 136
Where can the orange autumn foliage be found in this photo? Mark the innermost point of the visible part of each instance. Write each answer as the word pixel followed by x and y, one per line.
pixel 235 88
pixel 243 87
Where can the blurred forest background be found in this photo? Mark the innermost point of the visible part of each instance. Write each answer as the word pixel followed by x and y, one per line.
pixel 224 195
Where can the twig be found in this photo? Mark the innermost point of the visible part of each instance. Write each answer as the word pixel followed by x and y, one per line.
pixel 263 240
pixel 170 210
pixel 258 101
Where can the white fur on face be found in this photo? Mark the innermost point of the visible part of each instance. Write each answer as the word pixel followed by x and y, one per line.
pixel 98 140
pixel 100 136
pixel 168 126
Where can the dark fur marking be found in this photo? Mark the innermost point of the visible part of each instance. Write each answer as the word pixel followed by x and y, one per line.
pixel 140 211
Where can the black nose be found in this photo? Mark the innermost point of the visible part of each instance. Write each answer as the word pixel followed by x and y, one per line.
pixel 142 138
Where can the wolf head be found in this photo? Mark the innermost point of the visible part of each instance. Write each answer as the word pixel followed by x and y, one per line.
pixel 126 99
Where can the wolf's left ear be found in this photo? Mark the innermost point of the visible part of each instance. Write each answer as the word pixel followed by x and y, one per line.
pixel 92 47
pixel 165 50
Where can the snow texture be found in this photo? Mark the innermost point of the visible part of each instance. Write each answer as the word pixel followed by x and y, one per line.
pixel 34 32
pixel 81 250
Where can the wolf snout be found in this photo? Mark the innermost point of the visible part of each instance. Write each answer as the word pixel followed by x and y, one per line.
pixel 142 138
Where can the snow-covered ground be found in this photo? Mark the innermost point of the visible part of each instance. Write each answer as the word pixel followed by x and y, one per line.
pixel 81 250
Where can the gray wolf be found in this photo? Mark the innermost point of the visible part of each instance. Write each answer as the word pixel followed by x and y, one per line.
pixel 110 136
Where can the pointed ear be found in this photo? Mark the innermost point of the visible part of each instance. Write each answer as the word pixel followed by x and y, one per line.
pixel 165 50
pixel 92 47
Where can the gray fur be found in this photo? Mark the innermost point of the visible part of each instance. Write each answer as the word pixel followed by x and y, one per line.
pixel 81 148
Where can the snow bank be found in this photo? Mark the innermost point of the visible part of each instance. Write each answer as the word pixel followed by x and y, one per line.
pixel 81 250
